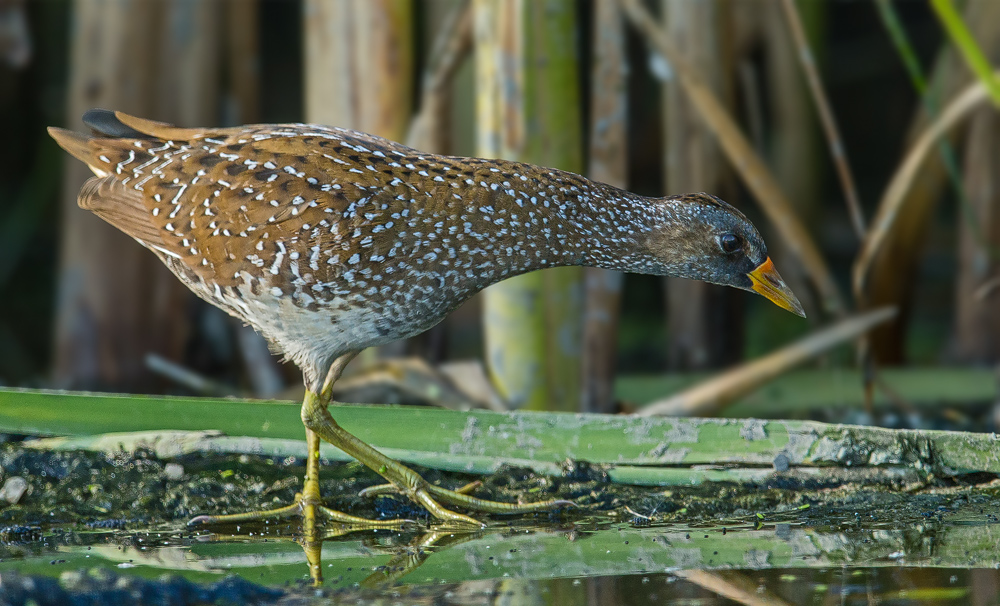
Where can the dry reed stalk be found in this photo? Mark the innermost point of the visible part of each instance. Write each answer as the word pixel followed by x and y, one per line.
pixel 708 397
pixel 892 202
pixel 745 160
pixel 838 151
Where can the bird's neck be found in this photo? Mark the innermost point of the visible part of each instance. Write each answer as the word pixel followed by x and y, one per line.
pixel 565 219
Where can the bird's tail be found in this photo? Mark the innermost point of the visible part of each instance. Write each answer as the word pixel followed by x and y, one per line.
pixel 108 125
pixel 78 146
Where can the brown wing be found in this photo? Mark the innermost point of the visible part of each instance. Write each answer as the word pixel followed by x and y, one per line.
pixel 257 199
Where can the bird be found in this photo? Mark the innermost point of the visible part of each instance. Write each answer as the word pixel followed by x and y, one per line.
pixel 328 241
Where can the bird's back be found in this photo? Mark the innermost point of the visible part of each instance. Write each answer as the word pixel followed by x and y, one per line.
pixel 214 199
pixel 328 225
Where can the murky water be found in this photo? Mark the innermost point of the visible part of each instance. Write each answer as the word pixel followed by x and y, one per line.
pixel 850 560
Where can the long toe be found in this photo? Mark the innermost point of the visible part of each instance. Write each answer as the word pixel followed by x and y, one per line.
pixel 287 511
pixel 332 515
pixel 294 510
pixel 461 499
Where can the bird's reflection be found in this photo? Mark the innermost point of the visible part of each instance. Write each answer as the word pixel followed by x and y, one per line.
pixel 409 546
pixel 413 555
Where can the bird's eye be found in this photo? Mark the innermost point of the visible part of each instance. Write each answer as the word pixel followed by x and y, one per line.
pixel 730 243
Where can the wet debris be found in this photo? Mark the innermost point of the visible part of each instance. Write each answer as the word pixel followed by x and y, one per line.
pixel 173 471
pixel 112 524
pixel 17 535
pixel 582 471
pixel 100 587
pixel 781 462
pixel 13 489
pixel 392 508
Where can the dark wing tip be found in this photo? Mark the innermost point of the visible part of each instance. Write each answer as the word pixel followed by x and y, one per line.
pixel 106 123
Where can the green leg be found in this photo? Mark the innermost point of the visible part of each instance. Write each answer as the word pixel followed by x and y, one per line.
pixel 307 503
pixel 317 418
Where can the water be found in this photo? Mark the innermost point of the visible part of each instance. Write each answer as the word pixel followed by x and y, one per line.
pixel 949 557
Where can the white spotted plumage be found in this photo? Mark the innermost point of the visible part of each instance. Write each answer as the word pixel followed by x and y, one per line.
pixel 329 240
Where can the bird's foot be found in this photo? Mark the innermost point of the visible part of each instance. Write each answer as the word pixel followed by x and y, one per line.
pixel 307 506
pixel 302 507
pixel 453 497
pixel 380 489
pixel 431 498
pixel 319 424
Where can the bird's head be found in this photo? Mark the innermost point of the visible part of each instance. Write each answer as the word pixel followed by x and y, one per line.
pixel 703 238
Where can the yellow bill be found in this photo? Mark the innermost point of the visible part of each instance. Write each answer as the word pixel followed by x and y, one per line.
pixel 767 282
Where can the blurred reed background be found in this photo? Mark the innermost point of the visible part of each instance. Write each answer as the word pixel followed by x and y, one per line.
pixel 660 97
